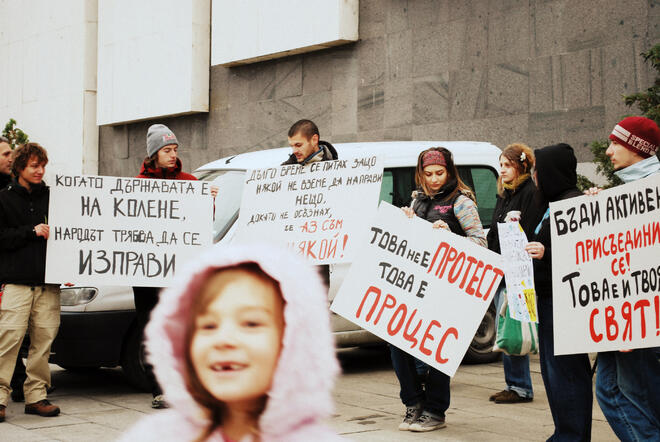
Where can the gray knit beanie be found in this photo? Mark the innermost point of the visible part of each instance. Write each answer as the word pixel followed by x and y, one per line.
pixel 159 136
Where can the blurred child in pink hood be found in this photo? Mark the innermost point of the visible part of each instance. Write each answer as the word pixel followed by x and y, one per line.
pixel 242 346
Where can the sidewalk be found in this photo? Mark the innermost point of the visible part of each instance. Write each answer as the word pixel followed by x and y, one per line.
pixel 100 405
pixel 369 409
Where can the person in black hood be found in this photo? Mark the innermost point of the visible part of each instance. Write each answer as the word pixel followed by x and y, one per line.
pixel 26 298
pixel 6 160
pixel 567 378
pixel 307 148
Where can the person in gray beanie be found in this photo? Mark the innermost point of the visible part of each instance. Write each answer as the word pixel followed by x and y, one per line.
pixel 161 162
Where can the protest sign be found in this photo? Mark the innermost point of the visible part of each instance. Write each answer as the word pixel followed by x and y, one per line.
pixel 316 209
pixel 518 272
pixel 125 231
pixel 421 289
pixel 606 269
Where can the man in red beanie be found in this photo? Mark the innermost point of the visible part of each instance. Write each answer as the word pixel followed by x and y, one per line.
pixel 634 140
pixel 628 382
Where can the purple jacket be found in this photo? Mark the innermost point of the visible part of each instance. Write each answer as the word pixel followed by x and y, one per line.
pixel 300 396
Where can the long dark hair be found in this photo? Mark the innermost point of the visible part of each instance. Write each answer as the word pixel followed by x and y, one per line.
pixel 452 175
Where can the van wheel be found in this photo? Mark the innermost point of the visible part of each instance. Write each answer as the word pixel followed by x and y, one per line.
pixel 132 361
pixel 481 347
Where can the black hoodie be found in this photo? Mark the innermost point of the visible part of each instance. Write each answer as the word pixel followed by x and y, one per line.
pixel 556 169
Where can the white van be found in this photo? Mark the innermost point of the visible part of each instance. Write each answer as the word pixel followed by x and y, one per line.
pixel 98 324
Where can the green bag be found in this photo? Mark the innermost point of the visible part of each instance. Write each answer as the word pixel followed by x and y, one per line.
pixel 514 337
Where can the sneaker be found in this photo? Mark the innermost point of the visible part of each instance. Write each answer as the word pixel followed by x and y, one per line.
pixel 427 422
pixel 493 397
pixel 511 397
pixel 412 414
pixel 159 402
pixel 42 408
pixel 2 413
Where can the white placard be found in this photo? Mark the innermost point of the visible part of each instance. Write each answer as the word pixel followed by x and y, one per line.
pixel 518 272
pixel 318 210
pixel 421 289
pixel 606 269
pixel 125 231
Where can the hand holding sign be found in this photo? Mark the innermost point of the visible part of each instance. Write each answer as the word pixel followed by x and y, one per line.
pixel 535 249
pixel 42 230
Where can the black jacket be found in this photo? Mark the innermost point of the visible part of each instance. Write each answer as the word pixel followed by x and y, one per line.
pixel 557 180
pixel 22 252
pixel 329 154
pixel 4 180
pixel 523 198
pixel 439 207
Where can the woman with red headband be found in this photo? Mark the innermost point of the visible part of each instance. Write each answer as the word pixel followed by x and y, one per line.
pixel 446 202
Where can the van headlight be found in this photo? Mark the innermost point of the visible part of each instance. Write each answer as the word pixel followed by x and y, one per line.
pixel 71 296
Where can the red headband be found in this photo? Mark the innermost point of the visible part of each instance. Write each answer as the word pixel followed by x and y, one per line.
pixel 433 157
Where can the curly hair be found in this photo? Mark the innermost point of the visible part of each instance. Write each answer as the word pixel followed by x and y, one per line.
pixel 24 153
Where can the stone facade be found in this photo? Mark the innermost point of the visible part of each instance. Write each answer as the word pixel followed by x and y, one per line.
pixel 536 71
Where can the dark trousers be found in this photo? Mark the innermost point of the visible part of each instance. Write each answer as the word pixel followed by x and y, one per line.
pixel 145 299
pixel 434 395
pixel 19 376
pixel 567 380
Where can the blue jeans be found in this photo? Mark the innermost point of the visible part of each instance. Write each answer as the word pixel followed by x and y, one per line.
pixel 628 392
pixel 567 380
pixel 516 368
pixel 434 396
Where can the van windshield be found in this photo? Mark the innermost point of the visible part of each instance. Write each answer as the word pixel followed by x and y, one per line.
pixel 230 190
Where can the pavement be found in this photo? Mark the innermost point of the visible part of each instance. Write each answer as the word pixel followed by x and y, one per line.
pixel 99 405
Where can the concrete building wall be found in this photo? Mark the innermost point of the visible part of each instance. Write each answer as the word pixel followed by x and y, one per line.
pixel 535 71
pixel 257 30
pixel 153 61
pixel 48 78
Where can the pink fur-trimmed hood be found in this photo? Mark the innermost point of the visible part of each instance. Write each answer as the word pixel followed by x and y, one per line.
pixel 300 395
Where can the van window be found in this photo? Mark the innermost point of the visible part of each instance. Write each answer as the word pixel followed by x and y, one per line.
pixel 483 181
pixel 398 184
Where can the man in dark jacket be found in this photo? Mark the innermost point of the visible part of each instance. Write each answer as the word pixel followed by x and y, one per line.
pixel 306 145
pixel 26 298
pixel 308 148
pixel 5 162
